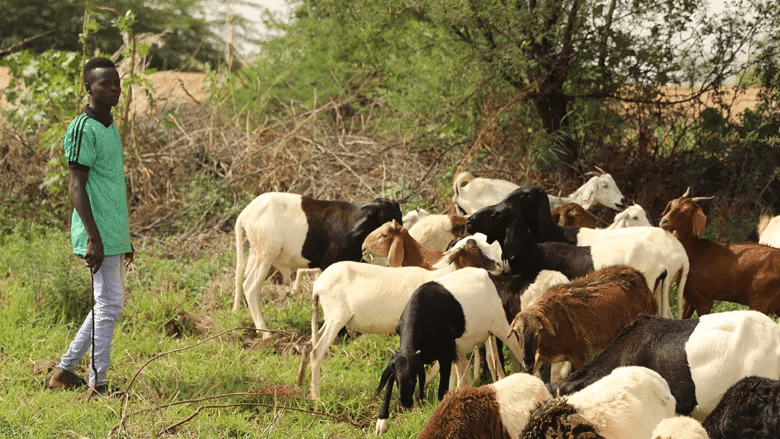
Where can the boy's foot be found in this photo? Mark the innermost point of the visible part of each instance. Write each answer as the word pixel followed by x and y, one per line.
pixel 96 392
pixel 65 379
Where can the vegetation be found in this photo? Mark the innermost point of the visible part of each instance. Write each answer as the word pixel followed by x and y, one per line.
pixel 354 100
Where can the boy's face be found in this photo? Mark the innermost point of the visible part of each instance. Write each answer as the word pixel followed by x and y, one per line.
pixel 104 86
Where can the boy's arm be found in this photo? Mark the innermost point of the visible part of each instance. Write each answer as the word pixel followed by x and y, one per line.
pixel 78 196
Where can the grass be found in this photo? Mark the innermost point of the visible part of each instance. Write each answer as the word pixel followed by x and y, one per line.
pixel 166 355
pixel 191 367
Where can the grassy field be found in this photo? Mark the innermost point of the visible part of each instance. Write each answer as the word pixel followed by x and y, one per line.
pixel 187 365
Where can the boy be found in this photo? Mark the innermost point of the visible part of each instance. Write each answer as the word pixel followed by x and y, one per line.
pixel 100 229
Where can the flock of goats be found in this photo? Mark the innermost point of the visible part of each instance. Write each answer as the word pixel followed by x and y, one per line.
pixel 515 266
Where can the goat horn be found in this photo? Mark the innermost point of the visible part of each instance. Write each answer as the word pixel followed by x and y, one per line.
pixel 697 199
pixel 602 171
pixel 687 192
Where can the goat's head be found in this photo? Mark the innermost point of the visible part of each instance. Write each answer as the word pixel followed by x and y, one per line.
pixel 490 221
pixel 684 217
pixel 528 328
pixel 600 189
pixel 572 214
pixel 386 242
pixel 413 216
pixel 474 251
pixel 406 369
pixel 373 215
pixel 633 216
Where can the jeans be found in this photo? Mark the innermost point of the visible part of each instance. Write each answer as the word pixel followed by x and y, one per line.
pixel 109 292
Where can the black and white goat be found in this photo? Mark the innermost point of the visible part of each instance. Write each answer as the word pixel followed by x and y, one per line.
pixel 628 403
pixel 531 242
pixel 290 231
pixel 749 409
pixel 494 411
pixel 444 321
pixel 699 358
pixel 370 298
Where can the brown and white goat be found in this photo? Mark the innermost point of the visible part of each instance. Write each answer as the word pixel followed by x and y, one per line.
pixel 573 214
pixel 578 319
pixel 392 240
pixel 746 273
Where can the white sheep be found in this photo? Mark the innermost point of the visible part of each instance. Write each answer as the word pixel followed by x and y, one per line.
pixel 370 299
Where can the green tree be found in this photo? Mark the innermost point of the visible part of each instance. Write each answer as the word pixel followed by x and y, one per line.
pixel 566 58
pixel 40 25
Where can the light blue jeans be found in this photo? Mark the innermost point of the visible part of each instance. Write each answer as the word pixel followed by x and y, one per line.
pixel 109 293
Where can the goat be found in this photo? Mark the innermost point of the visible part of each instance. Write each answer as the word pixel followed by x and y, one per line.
pixel 746 273
pixel 444 320
pixel 769 230
pixel 626 404
pixel 573 214
pixel 632 216
pixel 650 250
pixel 493 411
pixel 575 320
pixel 435 232
pixel 370 298
pixel 749 409
pixel 699 358
pixel 393 241
pixel 411 217
pixel 290 231
pixel 679 427
pixel 482 192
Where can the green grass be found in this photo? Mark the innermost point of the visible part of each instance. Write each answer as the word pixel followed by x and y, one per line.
pixel 166 355
pixel 173 303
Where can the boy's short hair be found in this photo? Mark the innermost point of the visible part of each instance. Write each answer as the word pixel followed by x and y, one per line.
pixel 97 63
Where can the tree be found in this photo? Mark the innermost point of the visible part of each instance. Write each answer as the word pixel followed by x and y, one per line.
pixel 559 55
pixel 39 25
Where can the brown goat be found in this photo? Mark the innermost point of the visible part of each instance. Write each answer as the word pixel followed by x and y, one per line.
pixel 393 241
pixel 573 214
pixel 746 273
pixel 575 320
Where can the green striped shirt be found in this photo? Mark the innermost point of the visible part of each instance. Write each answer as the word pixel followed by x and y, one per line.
pixel 89 143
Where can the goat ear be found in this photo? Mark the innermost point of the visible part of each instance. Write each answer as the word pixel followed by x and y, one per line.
pixel 395 255
pixel 699 221
pixel 546 325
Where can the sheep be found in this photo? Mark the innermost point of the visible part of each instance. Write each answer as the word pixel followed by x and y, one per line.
pixel 746 273
pixel 575 320
pixel 435 232
pixel 626 404
pixel 494 411
pixel 290 231
pixel 444 320
pixel 482 192
pixel 749 409
pixel 699 358
pixel 370 298
pixel 391 240
pixel 573 214
pixel 679 427
pixel 769 230
pixel 411 217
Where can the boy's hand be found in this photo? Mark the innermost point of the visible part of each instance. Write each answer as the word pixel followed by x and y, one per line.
pixel 94 255
pixel 129 256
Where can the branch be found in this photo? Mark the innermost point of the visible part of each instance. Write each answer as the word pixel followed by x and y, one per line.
pixel 4 52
